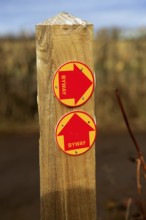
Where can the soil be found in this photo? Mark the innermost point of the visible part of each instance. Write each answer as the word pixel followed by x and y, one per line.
pixel 19 174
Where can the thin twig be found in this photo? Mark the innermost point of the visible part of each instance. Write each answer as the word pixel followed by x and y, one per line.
pixel 130 131
pixel 141 208
pixel 128 208
pixel 138 177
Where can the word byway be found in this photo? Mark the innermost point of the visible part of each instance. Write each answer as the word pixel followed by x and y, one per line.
pixel 63 82
pixel 76 144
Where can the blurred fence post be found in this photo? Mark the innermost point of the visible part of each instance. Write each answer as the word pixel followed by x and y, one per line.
pixel 67 183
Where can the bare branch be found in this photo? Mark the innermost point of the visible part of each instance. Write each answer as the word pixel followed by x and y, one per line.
pixel 138 177
pixel 130 131
pixel 128 208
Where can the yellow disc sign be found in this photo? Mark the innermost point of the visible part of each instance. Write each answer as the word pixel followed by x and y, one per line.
pixel 75 133
pixel 73 83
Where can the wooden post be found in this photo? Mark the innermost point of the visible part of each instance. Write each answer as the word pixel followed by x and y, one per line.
pixel 67 183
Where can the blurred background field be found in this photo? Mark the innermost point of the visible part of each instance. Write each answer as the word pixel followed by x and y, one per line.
pixel 18 83
pixel 119 63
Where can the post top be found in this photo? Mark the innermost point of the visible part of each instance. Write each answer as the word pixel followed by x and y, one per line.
pixel 64 18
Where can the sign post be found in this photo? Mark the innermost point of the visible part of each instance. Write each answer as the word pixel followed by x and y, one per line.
pixel 66 116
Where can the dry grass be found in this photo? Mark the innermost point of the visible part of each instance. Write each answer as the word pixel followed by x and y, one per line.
pixel 17 81
pixel 118 64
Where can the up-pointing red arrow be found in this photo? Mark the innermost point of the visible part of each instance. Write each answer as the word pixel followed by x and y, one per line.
pixel 76 134
pixel 73 84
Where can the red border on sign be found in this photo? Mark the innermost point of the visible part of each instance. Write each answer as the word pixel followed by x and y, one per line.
pixel 93 76
pixel 64 117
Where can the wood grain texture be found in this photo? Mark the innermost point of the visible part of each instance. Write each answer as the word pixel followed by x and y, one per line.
pixel 67 183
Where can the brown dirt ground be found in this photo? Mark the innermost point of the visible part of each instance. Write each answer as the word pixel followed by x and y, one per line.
pixel 19 174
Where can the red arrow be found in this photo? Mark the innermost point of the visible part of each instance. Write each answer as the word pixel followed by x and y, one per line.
pixel 76 133
pixel 73 84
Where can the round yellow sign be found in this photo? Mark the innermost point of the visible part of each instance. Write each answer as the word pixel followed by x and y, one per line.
pixel 75 133
pixel 73 83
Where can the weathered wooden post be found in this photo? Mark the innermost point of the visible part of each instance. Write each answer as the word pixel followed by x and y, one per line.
pixel 64 44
